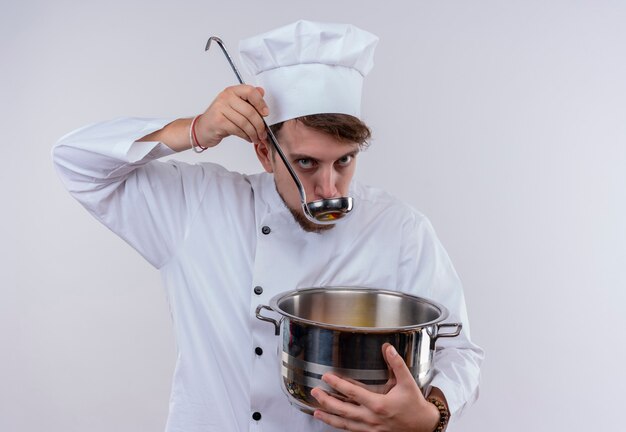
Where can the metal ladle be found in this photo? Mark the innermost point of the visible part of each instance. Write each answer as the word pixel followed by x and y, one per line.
pixel 322 212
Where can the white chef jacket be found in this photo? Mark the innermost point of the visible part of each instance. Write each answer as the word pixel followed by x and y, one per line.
pixel 202 227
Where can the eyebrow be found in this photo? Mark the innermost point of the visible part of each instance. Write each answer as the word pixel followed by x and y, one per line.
pixel 296 156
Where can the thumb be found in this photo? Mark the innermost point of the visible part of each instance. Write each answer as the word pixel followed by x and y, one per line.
pixel 400 369
pixel 261 91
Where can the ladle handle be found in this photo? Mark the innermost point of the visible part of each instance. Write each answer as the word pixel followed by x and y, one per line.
pixel 273 139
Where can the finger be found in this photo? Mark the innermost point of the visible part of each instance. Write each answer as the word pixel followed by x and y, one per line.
pixel 221 120
pixel 238 114
pixel 391 382
pixel 333 405
pixel 355 382
pixel 400 369
pixel 341 423
pixel 385 346
pixel 353 392
pixel 343 410
pixel 254 126
pixel 261 90
pixel 215 125
pixel 230 127
pixel 253 95
pixel 238 98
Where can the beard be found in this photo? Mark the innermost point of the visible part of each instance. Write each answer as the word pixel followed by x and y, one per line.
pixel 304 223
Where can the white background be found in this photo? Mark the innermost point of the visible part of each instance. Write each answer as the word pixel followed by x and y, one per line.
pixel 504 122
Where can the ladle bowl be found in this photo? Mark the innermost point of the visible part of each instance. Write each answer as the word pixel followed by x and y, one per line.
pixel 328 211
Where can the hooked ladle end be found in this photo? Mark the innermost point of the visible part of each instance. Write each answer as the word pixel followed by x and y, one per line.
pixel 212 38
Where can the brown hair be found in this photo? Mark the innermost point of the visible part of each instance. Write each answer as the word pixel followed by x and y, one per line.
pixel 343 127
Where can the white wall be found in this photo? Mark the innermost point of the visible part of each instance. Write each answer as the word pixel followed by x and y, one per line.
pixel 504 122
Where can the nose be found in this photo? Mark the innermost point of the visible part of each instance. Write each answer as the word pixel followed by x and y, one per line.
pixel 326 183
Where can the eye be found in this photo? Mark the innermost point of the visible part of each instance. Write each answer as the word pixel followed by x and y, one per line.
pixel 345 161
pixel 305 163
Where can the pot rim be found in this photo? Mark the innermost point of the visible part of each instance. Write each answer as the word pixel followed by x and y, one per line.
pixel 443 311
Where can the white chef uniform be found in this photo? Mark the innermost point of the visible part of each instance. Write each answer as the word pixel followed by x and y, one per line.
pixel 203 227
pixel 225 242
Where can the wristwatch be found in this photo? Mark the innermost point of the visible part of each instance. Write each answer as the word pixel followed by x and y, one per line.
pixel 444 414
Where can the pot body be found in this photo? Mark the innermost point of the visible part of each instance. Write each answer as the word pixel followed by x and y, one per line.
pixel 342 330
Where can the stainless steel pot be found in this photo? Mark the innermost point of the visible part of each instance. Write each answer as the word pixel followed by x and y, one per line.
pixel 342 330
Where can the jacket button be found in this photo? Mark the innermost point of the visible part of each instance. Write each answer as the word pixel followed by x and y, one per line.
pixel 258 351
pixel 256 416
pixel 266 230
pixel 258 290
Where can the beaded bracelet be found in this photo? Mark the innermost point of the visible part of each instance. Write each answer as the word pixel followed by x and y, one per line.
pixel 193 139
pixel 444 415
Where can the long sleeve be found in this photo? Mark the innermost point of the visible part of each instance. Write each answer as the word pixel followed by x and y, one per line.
pixel 427 270
pixel 119 181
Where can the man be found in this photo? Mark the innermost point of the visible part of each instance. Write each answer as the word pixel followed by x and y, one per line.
pixel 226 242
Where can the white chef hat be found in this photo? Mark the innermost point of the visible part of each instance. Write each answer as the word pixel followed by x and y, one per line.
pixel 310 68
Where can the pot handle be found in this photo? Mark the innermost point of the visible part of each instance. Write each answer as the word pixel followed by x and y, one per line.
pixel 456 332
pixel 271 320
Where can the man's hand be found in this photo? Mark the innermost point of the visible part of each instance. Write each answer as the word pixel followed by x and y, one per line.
pixel 235 111
pixel 403 408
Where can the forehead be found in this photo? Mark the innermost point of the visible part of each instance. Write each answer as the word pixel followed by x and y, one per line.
pixel 296 137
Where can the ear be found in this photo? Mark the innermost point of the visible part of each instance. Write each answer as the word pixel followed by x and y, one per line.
pixel 265 156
